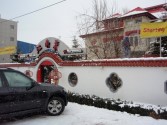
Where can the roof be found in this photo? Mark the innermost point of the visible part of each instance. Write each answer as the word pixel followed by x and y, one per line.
pixel 116 15
pixel 135 11
pixel 157 11
pixel 154 7
pixel 24 47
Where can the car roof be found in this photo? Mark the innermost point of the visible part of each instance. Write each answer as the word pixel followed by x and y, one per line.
pixel 1 68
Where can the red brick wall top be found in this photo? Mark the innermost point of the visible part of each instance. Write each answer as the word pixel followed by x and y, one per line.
pixel 138 62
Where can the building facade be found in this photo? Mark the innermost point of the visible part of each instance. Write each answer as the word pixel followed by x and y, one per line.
pixel 8 39
pixel 108 42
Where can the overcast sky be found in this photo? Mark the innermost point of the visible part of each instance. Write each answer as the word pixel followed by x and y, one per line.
pixel 56 21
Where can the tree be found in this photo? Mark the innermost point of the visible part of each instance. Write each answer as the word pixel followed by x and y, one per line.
pixel 101 38
pixel 154 49
pixel 164 46
pixel 75 43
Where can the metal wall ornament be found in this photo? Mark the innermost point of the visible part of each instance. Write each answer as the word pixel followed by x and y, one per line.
pixel 113 82
pixel 73 79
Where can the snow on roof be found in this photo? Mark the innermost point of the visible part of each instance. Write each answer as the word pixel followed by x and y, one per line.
pixel 135 11
pixel 158 10
pixel 159 14
pixel 116 15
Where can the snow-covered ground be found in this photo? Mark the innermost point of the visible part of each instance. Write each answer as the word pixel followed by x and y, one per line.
pixel 76 114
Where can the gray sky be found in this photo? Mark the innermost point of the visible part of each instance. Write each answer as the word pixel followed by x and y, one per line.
pixel 57 21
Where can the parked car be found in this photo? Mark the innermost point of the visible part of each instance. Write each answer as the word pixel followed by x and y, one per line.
pixel 20 94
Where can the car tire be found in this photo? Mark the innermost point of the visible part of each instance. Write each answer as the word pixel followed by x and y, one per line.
pixel 55 106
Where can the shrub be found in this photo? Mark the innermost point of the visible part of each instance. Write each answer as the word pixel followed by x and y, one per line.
pixel 117 105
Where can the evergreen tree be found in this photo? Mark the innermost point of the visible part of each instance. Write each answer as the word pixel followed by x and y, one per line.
pixel 164 46
pixel 75 43
pixel 154 49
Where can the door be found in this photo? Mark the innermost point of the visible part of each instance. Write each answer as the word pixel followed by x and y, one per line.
pixel 23 96
pixel 4 97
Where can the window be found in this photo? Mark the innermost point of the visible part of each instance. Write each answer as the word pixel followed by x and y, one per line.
pixel 73 79
pixel 134 40
pixel 17 80
pixel 12 27
pixel 115 23
pixel 139 20
pixel 129 22
pixel 11 38
pixel 131 40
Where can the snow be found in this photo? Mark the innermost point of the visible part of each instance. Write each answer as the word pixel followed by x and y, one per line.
pixel 76 114
pixel 124 59
pixel 133 13
pixel 159 14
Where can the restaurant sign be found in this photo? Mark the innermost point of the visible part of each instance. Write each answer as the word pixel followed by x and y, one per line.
pixel 156 29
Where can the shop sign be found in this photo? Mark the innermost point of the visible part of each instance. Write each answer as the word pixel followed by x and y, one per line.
pixel 156 29
pixel 7 50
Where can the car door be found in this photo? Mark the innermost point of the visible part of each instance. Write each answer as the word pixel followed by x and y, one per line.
pixel 24 96
pixel 4 97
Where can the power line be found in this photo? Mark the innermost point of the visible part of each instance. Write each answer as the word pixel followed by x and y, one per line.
pixel 35 11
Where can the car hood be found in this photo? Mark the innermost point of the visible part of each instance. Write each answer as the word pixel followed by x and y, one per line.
pixel 48 85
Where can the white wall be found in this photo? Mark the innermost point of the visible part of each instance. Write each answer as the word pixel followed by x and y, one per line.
pixel 141 84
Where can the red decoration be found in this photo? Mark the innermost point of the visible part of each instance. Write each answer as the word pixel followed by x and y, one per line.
pixel 56 44
pixel 65 51
pixel 39 48
pixel 47 44
pixel 29 73
pixel 54 76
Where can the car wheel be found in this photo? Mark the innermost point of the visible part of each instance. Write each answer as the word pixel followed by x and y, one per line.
pixel 55 106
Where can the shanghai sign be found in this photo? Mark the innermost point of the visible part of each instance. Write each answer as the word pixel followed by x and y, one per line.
pixel 156 29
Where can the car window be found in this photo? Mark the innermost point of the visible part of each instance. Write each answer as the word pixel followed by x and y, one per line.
pixel 16 79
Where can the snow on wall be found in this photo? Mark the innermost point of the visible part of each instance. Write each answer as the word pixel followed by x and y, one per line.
pixel 141 80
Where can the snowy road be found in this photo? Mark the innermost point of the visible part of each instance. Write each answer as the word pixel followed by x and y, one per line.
pixel 76 114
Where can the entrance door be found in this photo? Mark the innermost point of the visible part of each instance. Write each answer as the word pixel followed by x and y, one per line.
pixel 44 70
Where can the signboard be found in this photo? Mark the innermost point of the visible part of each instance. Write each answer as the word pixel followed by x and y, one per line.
pixel 156 29
pixel 7 50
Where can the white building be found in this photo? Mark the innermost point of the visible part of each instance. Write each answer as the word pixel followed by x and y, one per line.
pixel 8 39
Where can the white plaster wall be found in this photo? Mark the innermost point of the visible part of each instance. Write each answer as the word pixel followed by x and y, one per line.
pixel 140 84
pixel 23 69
